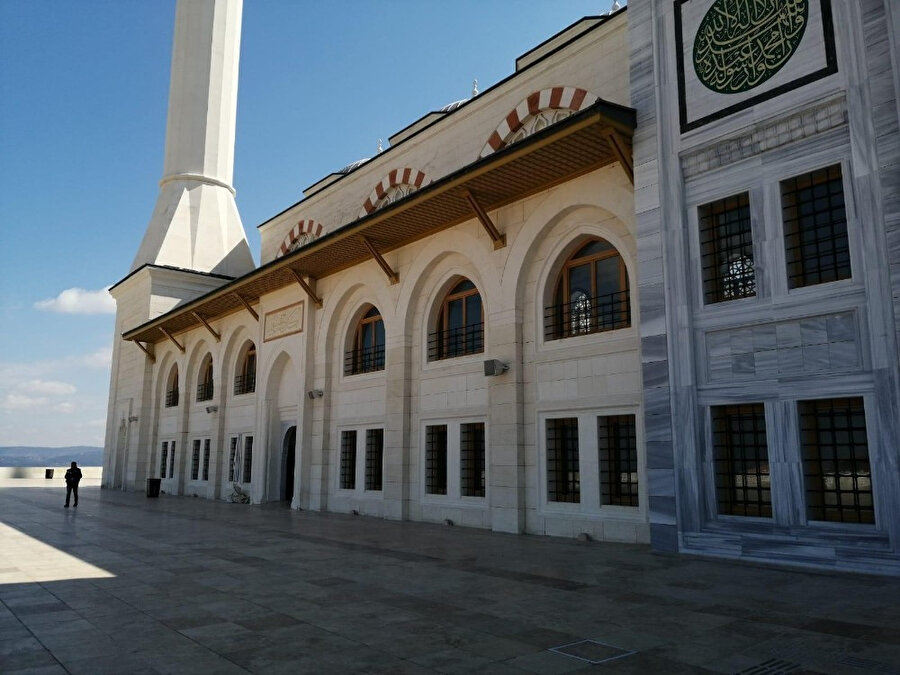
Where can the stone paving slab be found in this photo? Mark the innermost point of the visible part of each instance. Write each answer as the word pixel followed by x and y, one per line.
pixel 126 584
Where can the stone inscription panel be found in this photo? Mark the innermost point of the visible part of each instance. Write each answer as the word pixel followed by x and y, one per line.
pixel 732 54
pixel 284 321
pixel 814 345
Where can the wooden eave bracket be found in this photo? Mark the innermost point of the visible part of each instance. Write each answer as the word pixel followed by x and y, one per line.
pixel 306 287
pixel 172 338
pixel 146 351
pixel 208 327
pixel 486 222
pixel 246 305
pixel 382 263
pixel 620 150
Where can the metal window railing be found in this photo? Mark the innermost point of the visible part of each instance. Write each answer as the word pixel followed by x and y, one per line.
pixel 366 360
pixel 446 344
pixel 171 398
pixel 205 391
pixel 244 384
pixel 588 315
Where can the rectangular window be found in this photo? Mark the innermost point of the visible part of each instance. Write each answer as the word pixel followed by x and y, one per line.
pixel 835 454
pixel 172 459
pixel 164 459
pixel 374 458
pixel 348 460
pixel 563 478
pixel 617 446
pixel 248 459
pixel 741 460
pixel 816 245
pixel 206 459
pixel 726 249
pixel 195 460
pixel 232 455
pixel 436 459
pixel 471 459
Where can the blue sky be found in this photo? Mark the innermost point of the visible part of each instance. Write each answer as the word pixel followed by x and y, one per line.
pixel 83 100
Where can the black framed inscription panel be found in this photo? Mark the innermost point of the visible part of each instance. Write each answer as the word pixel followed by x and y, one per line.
pixel 733 54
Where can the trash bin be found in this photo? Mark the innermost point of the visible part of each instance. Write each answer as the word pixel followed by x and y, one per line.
pixel 48 473
pixel 153 487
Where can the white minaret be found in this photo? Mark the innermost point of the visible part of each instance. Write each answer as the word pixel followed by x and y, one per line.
pixel 195 224
pixel 194 241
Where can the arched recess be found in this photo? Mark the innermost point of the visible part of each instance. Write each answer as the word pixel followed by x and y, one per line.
pixel 280 412
pixel 244 380
pixel 396 185
pixel 535 112
pixel 302 233
pixel 165 419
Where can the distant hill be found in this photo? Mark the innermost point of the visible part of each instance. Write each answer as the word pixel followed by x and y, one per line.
pixel 85 455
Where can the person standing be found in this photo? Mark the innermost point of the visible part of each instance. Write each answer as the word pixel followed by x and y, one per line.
pixel 73 476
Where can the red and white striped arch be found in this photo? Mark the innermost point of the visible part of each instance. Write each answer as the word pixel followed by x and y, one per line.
pixel 310 227
pixel 411 177
pixel 555 98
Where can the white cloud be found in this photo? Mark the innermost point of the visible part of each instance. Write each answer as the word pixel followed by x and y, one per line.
pixel 64 407
pixel 22 402
pixel 101 358
pixel 49 387
pixel 79 301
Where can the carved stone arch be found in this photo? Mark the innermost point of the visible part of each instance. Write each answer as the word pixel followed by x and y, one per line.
pixel 191 372
pixel 397 184
pixel 302 233
pixel 234 346
pixel 461 252
pixel 535 112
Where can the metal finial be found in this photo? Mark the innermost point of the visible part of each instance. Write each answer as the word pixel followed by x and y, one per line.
pixel 379 145
pixel 474 88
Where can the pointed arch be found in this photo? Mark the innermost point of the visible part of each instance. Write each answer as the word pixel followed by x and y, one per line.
pixel 395 185
pixel 535 112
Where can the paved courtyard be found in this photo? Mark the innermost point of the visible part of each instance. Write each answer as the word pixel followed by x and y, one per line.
pixel 126 584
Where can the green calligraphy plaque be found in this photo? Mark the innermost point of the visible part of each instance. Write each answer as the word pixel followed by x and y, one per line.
pixel 742 43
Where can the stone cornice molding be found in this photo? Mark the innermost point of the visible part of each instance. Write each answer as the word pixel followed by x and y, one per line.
pixel 196 177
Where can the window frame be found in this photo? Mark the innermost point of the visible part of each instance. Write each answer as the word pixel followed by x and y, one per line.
pixel 356 355
pixel 360 473
pixel 713 287
pixel 205 380
pixel 438 334
pixel 245 373
pixel 454 494
pixel 556 320
pixel 171 395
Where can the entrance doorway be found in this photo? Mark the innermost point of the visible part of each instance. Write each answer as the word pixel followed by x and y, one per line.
pixel 287 464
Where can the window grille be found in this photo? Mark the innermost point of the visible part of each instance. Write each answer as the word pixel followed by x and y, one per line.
pixel 364 360
pixel 248 459
pixel 741 460
pixel 164 459
pixel 172 459
pixel 617 445
pixel 726 249
pixel 563 477
pixel 195 460
pixel 244 384
pixel 817 248
pixel 206 459
pixel 348 460
pixel 171 398
pixel 472 459
pixel 232 455
pixel 835 454
pixel 205 391
pixel 446 344
pixel 374 458
pixel 587 314
pixel 436 459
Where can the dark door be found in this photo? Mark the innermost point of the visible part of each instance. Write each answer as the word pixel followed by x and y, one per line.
pixel 287 464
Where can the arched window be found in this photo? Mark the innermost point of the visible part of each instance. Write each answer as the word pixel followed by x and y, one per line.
pixel 366 353
pixel 172 387
pixel 591 293
pixel 245 377
pixel 205 381
pixel 459 329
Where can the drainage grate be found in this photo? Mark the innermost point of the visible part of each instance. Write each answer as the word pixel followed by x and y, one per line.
pixel 871 665
pixel 591 651
pixel 771 667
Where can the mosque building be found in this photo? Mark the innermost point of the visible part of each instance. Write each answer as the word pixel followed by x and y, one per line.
pixel 645 289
